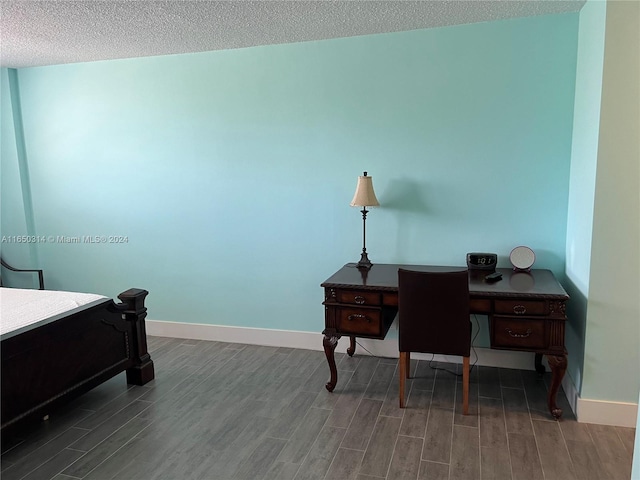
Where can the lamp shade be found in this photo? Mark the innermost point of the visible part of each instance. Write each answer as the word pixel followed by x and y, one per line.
pixel 364 196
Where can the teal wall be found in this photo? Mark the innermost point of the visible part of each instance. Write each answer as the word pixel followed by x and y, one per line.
pixel 14 215
pixel 582 182
pixel 231 172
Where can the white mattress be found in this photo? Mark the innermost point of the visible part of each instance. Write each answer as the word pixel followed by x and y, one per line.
pixel 20 308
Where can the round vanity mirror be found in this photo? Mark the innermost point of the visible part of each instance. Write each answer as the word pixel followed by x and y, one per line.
pixel 522 258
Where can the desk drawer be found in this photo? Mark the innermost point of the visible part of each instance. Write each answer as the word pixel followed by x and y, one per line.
pixel 360 321
pixel 518 333
pixel 480 305
pixel 390 299
pixel 519 307
pixel 361 297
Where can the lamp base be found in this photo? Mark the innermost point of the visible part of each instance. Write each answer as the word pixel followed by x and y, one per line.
pixel 364 262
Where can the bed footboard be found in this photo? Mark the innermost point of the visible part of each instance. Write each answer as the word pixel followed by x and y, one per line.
pixel 55 362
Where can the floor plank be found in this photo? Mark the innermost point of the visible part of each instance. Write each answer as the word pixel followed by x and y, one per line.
pixel 405 463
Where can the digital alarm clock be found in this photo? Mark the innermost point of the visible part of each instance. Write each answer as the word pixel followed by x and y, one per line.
pixel 482 261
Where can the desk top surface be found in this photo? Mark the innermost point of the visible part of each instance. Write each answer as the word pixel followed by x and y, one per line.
pixel 535 283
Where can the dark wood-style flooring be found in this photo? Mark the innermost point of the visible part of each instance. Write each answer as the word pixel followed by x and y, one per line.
pixel 230 411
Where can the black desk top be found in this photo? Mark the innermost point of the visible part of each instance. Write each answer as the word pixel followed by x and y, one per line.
pixel 535 284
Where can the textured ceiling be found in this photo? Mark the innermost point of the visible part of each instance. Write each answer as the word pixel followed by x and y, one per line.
pixel 34 33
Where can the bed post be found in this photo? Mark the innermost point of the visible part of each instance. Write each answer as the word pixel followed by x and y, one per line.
pixel 135 312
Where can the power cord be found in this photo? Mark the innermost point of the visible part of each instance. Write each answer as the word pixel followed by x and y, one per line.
pixel 475 354
pixel 363 347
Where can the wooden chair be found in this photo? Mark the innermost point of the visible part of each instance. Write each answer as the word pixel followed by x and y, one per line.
pixel 433 317
pixel 20 270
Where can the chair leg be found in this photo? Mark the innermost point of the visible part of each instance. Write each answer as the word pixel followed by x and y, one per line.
pixel 402 365
pixel 407 365
pixel 465 385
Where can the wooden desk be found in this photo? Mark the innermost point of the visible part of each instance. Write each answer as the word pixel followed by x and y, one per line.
pixel 526 312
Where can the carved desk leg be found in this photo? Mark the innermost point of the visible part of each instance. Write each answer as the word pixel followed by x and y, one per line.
pixel 352 346
pixel 558 365
pixel 329 343
pixel 538 364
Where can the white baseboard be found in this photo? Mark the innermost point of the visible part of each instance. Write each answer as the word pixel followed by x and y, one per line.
pixel 587 411
pixel 245 335
pixel 602 412
pixel 619 414
pixel 313 341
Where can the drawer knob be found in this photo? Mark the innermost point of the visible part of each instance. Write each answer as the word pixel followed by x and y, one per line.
pixel 519 335
pixel 519 309
pixel 359 299
pixel 358 316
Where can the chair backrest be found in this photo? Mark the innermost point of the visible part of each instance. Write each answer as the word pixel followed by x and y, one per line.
pixel 433 312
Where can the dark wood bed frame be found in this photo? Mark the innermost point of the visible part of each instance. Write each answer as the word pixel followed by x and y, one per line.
pixel 69 354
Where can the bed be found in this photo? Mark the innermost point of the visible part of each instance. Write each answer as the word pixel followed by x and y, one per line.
pixel 53 354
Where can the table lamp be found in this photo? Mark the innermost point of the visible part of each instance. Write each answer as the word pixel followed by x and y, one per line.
pixel 364 197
